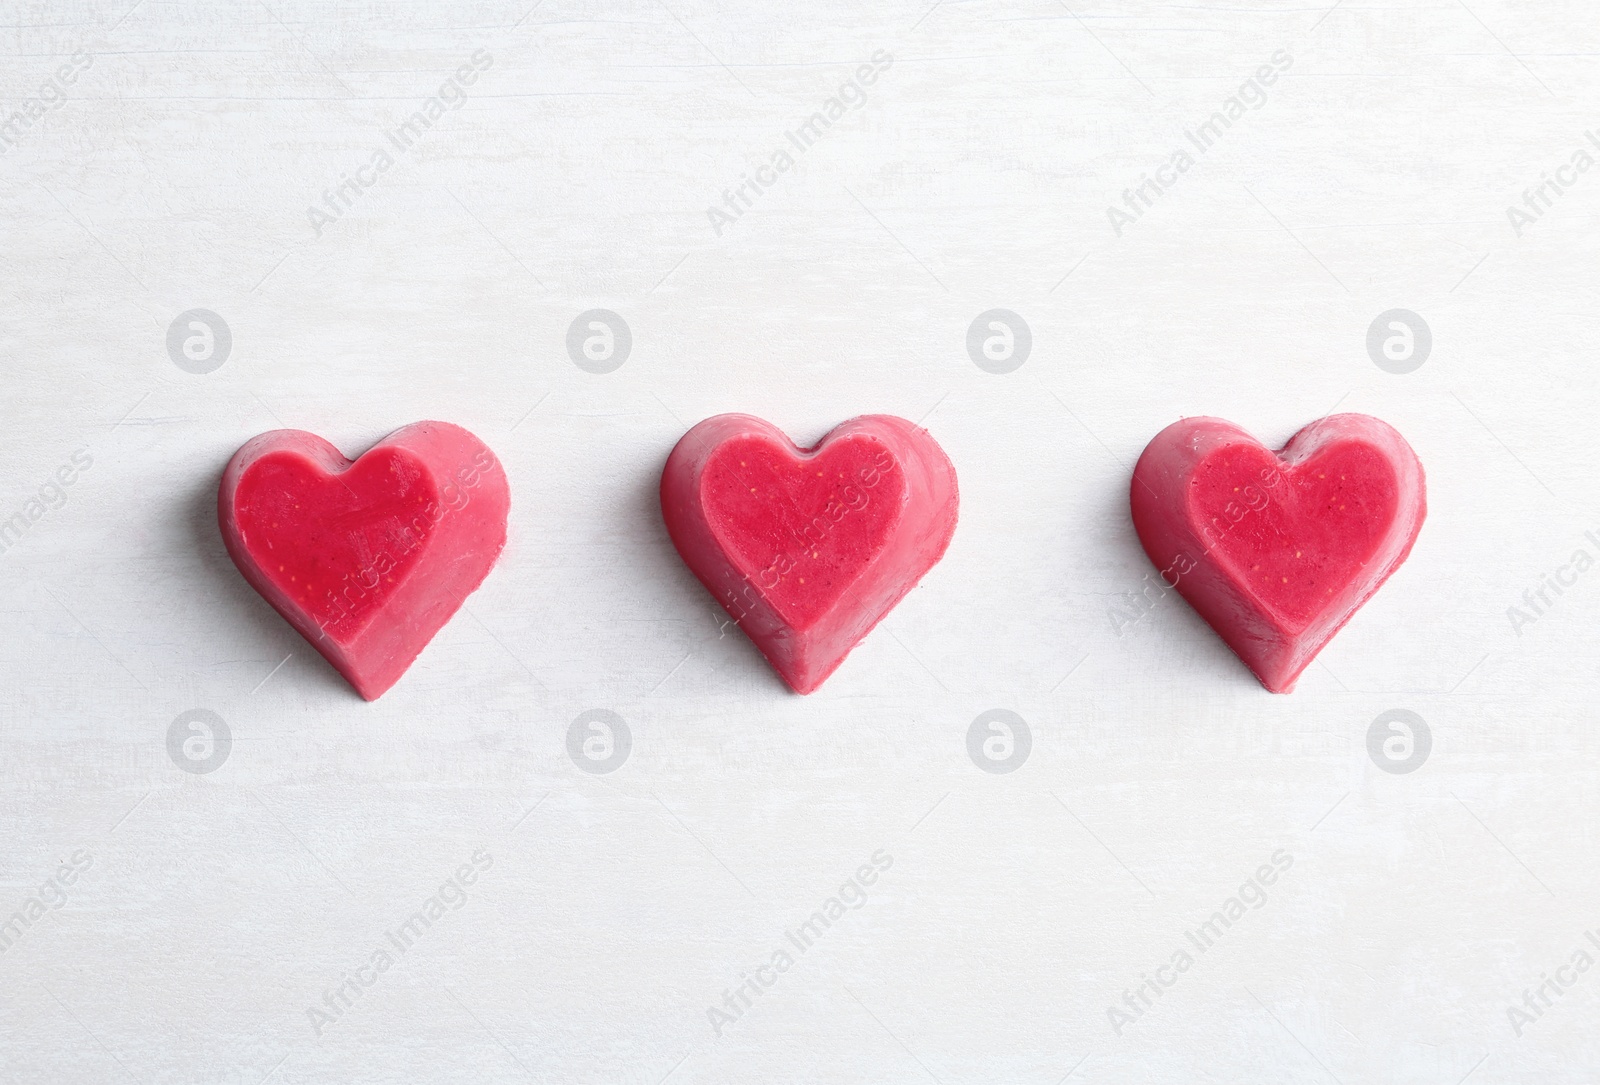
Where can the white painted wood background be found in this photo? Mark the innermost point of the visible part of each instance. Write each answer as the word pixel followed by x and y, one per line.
pixel 209 911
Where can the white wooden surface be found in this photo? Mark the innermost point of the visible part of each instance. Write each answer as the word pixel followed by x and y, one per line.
pixel 211 910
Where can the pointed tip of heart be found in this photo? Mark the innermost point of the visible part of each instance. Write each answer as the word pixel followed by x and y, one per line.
pixel 802 688
pixel 369 689
pixel 808 679
pixel 1279 684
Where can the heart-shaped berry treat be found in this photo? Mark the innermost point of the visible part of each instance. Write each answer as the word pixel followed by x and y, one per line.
pixel 366 559
pixel 1277 550
pixel 807 550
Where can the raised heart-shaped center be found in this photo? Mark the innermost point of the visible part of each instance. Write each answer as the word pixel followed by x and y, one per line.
pixel 802 528
pixel 340 544
pixel 1295 533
